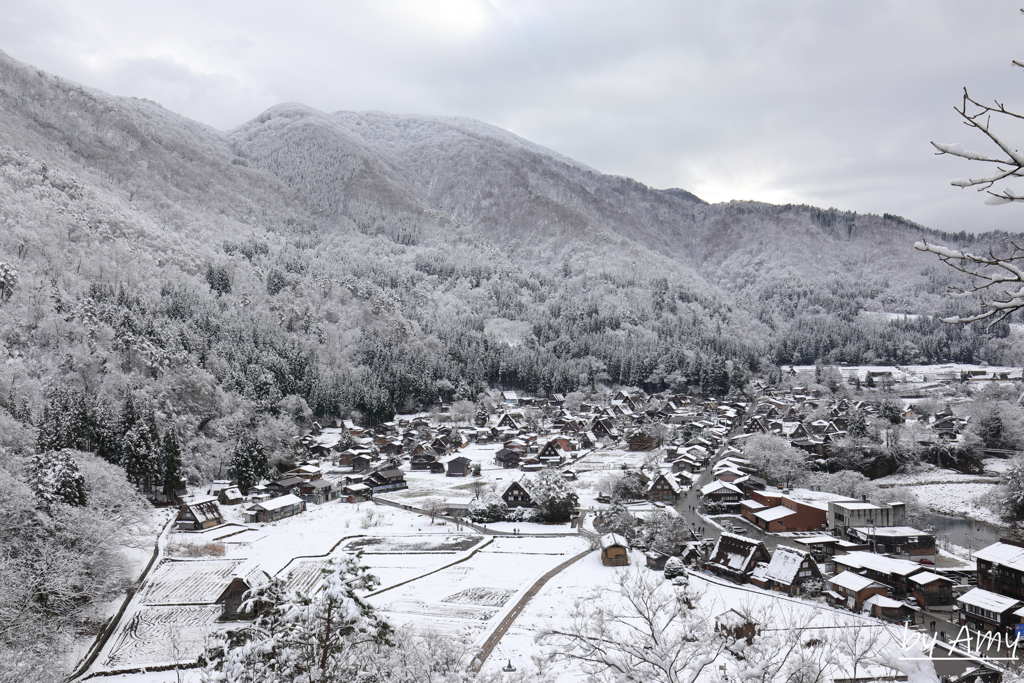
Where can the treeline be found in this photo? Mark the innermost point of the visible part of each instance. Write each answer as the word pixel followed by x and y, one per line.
pixel 906 340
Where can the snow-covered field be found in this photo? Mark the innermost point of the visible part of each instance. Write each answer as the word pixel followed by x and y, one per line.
pixel 469 597
pixel 913 374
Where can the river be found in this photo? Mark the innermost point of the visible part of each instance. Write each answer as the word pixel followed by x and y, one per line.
pixel 964 532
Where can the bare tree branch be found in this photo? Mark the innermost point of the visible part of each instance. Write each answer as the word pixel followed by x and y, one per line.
pixel 979 116
pixel 991 278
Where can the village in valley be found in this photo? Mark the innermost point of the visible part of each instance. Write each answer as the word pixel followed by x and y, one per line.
pixel 490 530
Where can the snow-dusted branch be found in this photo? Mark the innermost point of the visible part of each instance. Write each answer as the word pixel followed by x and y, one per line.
pixel 646 630
pixel 998 280
pixel 1010 164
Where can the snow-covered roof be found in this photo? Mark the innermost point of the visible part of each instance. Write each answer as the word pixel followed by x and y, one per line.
pixel 892 531
pixel 814 540
pixel 733 551
pixel 815 499
pixel 772 514
pixel 669 479
pixel 784 567
pixel 858 505
pixel 1004 554
pixel 924 578
pixel 717 486
pixel 609 540
pixel 278 503
pixel 883 602
pixel 751 504
pixel 984 599
pixel 878 563
pixel 852 581
pixel 205 510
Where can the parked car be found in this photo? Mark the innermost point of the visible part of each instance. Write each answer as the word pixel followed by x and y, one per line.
pixel 922 561
pixel 739 529
pixel 911 602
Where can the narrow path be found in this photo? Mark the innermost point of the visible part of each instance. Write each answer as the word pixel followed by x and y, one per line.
pixel 502 628
pixel 108 630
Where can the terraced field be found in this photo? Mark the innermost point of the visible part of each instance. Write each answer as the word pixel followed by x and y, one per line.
pixel 189 582
pixel 414 544
pixel 304 575
pixel 490 597
pixel 163 635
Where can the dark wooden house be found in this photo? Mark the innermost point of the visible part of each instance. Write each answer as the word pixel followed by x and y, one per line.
pixel 988 612
pixel 788 569
pixel 931 590
pixel 386 480
pixel 274 509
pixel 639 441
pixel 516 496
pixel 459 466
pixel 735 557
pixel 614 551
pixel 199 515
pixel 664 487
pixel 230 496
pixel 507 458
pixel 284 486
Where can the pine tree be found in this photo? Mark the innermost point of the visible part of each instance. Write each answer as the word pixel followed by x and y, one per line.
pixel 555 497
pixel 248 462
pixel 297 636
pixel 55 478
pixel 139 444
pixel 171 463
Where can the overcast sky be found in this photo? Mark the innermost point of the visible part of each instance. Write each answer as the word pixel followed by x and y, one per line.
pixel 824 103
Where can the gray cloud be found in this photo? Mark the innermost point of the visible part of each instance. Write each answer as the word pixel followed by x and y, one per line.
pixel 825 103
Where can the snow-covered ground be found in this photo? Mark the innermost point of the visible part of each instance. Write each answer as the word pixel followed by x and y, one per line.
pixel 588 579
pixel 911 374
pixel 947 492
pixel 960 500
pixel 440 577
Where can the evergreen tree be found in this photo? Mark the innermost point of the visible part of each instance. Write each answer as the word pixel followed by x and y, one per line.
pixel 55 478
pixel 858 426
pixel 139 444
pixel 171 463
pixel 555 497
pixel 248 462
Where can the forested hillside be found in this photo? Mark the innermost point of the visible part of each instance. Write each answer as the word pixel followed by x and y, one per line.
pixel 310 264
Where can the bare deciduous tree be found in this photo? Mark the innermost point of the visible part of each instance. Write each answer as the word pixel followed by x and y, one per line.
pixel 650 633
pixel 999 280
pixel 432 507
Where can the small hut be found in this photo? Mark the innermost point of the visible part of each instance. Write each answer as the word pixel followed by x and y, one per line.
pixel 737 625
pixel 230 496
pixel 614 551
